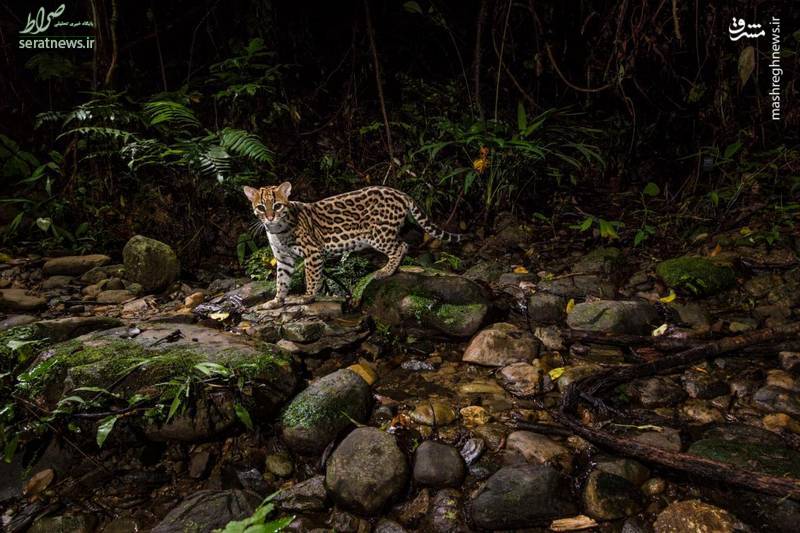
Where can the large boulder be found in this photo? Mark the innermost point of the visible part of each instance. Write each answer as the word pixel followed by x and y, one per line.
pixel 501 344
pixel 74 265
pixel 317 415
pixel 141 361
pixel 150 263
pixel 366 471
pixel 614 316
pixel 522 496
pixel 697 276
pixel 425 300
pixel 209 510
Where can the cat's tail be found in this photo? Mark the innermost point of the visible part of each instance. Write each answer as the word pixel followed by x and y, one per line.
pixel 431 228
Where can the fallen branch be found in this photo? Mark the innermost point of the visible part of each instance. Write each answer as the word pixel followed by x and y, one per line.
pixel 591 386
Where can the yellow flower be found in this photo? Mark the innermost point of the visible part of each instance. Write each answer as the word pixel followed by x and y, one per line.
pixel 480 165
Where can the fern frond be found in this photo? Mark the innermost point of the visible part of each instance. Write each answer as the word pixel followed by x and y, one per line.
pixel 166 111
pixel 245 144
pixel 101 131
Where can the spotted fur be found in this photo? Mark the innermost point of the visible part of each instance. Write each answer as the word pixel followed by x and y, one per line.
pixel 366 218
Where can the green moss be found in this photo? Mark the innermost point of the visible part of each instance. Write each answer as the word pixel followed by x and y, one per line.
pixel 314 407
pixel 696 275
pixel 759 457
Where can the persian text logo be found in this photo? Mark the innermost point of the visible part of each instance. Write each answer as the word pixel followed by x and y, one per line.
pixel 739 29
pixel 32 36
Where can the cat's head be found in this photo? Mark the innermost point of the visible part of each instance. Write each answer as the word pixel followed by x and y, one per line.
pixel 270 203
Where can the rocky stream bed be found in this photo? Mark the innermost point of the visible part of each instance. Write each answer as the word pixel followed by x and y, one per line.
pixel 144 400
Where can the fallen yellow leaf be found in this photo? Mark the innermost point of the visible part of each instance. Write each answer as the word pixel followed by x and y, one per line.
pixel 556 373
pixel 668 298
pixel 745 231
pixel 221 315
pixel 273 262
pixel 570 305
pixel 717 249
pixel 660 330
pixel 520 270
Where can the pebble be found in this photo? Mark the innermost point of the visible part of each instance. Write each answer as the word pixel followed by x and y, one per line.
pixel 438 465
pixel 608 497
pixel 539 449
pixel 279 464
pixel 472 450
pixel 433 413
pixel 474 416
pixel 653 486
pixel 694 515
pixel 790 361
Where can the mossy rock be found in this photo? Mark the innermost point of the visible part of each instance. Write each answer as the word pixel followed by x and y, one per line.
pixel 766 458
pixel 602 259
pixel 150 263
pixel 697 276
pixel 424 300
pixel 319 413
pixel 146 364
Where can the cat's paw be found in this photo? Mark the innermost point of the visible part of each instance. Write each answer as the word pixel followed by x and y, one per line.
pixel 273 304
pixel 381 274
pixel 301 300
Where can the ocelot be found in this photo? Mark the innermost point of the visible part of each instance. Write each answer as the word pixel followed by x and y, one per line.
pixel 369 217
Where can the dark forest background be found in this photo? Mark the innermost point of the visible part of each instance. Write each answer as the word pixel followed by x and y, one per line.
pixel 596 113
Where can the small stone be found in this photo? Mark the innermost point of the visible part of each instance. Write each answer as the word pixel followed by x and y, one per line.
pixel 198 464
pixel 438 465
pixel 114 284
pixel 694 515
pixel 523 379
pixel 658 391
pixel 74 265
pixel 668 439
pixel 366 470
pixel 304 497
pixel 790 361
pixel 653 486
pixel 702 382
pixel 304 330
pixel 633 471
pixel 213 509
pixel 474 415
pixel 279 464
pixel 446 514
pixel 780 421
pixel 472 450
pixel 701 412
pixel 781 378
pixel 608 497
pixel 433 413
pixel 634 317
pixel 571 374
pixel 114 296
pixel 480 386
pixel 77 523
pixel 501 344
pixel 698 276
pixel 777 400
pixel 194 299
pixel 385 525
pixel 539 449
pixel 546 308
pixel 16 320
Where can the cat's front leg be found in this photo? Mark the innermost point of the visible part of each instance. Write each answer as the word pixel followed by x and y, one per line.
pixel 313 264
pixel 283 277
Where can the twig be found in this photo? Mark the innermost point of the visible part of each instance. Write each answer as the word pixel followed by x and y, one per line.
pixel 476 60
pixel 378 82
pixel 500 59
pixel 565 80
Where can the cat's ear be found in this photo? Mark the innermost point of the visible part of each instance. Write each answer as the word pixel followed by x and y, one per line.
pixel 250 192
pixel 285 189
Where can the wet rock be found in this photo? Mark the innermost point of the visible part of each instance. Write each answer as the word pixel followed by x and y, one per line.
pixel 433 413
pixel 633 471
pixel 550 337
pixel 78 523
pixel 446 513
pixel 74 265
pixel 19 300
pixel 472 450
pixel 751 454
pixel 411 512
pixel 485 271
pixel 693 315
pixel 474 416
pixel 579 286
pixel 697 276
pixel 608 497
pixel 321 336
pixel 57 282
pixel 438 465
pixel 385 525
pixel 659 391
pixel 344 522
pixel 16 320
pixel 614 316
pixel 701 412
pixel 603 260
pixel 702 382
pixel 782 379
pixel 150 263
pixel 425 300
pixel 539 449
pixel 317 415
pixel 62 329
pixel 636 524
pixel 571 374
pixel 114 296
pixel 207 510
pixel 668 439
pixel 97 274
pixel 305 497
pixel 522 496
pixel 366 470
pixel 304 330
pixel 501 344
pixel 199 463
pixel 523 379
pixel 694 515
pixel 546 308
pixel 777 400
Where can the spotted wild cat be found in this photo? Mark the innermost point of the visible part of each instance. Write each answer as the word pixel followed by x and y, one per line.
pixel 369 217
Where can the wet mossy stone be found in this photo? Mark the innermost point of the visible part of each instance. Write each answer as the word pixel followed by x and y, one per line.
pixel 326 407
pixel 424 300
pixel 209 510
pixel 150 263
pixel 146 363
pixel 764 457
pixel 608 496
pixel 697 276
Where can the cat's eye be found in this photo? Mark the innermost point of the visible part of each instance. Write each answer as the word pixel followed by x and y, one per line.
pixel 278 206
pixel 261 208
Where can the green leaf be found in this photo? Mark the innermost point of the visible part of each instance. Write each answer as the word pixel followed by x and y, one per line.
pixel 412 7
pixel 731 150
pixel 714 197
pixel 44 223
pixel 104 428
pixel 209 369
pixel 522 118
pixel 640 236
pixel 243 416
pixel 586 224
pixel 651 189
pixel 10 448
pixel 607 229
pixel 173 408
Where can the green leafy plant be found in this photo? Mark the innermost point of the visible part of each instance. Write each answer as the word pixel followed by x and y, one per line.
pixel 257 522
